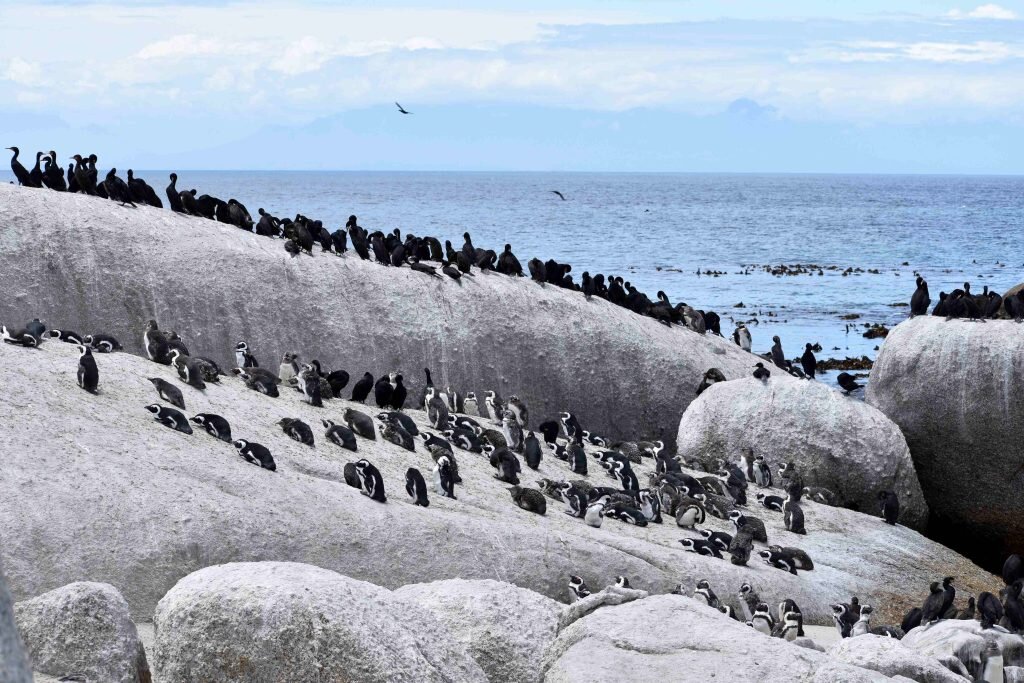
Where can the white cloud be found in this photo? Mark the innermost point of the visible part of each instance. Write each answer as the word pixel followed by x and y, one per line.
pixel 302 56
pixel 23 73
pixel 988 11
pixel 189 45
pixel 891 51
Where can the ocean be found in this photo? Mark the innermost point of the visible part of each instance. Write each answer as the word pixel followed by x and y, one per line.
pixel 855 241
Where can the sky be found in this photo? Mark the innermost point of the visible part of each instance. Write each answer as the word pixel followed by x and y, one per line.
pixel 902 86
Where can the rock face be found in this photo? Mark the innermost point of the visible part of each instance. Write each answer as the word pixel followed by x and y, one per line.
pixel 62 254
pixel 14 666
pixel 665 637
pixel 890 657
pixel 83 628
pixel 282 622
pixel 504 628
pixel 954 389
pixel 835 441
pixel 147 505
pixel 959 644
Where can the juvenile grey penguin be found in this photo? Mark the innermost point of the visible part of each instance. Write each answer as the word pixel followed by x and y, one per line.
pixel 309 385
pixel 470 405
pixel 289 367
pixel 88 373
pixel 168 392
pixel 256 454
pixel 528 499
pixel 393 432
pixel 360 423
pixel 264 381
pixel 416 487
pixel 297 430
pixel 513 431
pixel 371 482
pixel 437 410
pixel 340 435
pixel 594 515
pixel 215 425
pixel 577 459
pixel 155 344
pixel 505 462
pixel 755 525
pixel 169 417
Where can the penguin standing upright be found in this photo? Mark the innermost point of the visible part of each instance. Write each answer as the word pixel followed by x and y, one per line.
pixel 155 344
pixel 243 358
pixel 531 451
pixel 741 336
pixel 444 478
pixel 416 487
pixel 289 367
pixel 512 430
pixel 309 385
pixel 88 373
pixel 890 503
pixel 371 481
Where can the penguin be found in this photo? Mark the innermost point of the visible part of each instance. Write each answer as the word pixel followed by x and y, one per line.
pixel 467 423
pixel 788 559
pixel 762 620
pixel 189 370
pixel 719 539
pixel 741 335
pixel 88 373
pixel 793 517
pixel 990 611
pixel 571 426
pixel 289 367
pixel 749 600
pixel 37 329
pixel 778 357
pixel 398 395
pixel 19 338
pixel 505 462
pixel 256 454
pixel 465 440
pixel 622 582
pixel 437 410
pixel 393 432
pixel 712 376
pixel 155 344
pixel 809 362
pixel 469 404
pixel 382 391
pixel 595 439
pixel 528 499
pixel 594 516
pixel 840 617
pixel 755 525
pixel 819 494
pixel 761 372
pixel 792 626
pixel 513 431
pixel 362 388
pixel 372 484
pixel 762 472
pixel 890 503
pixel 847 382
pixel 531 451
pixel 102 343
pixel 260 380
pixel 403 420
pixel 455 402
pixel 577 501
pixel 309 385
pixel 168 392
pixel 444 479
pixel 340 435
pixel 494 406
pixel 771 502
pixel 169 417
pixel 703 593
pixel 430 440
pixel 360 423
pixel 67 336
pixel 416 487
pixel 519 410
pixel 297 430
pixel 992 663
pixel 701 547
pixel 690 515
pixel 578 587
pixel 215 425
pixel 578 460
pixel 624 473
pixel 243 358
pixel 175 342
pixel 862 626
pixel 1013 569
pixel 436 453
pixel 650 506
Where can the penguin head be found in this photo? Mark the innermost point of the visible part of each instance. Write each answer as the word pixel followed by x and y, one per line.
pixel 703 584
pixel 687 543
pixel 153 408
pixel 240 443
pixel 84 350
pixel 198 419
pixel 745 588
pixel 765 554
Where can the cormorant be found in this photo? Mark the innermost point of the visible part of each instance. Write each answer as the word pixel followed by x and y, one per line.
pixel 173 197
pixel 847 382
pixel 401 110
pixel 117 189
pixel 560 195
pixel 20 172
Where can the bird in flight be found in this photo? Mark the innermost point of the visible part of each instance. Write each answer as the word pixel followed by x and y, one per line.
pixel 401 110
pixel 559 194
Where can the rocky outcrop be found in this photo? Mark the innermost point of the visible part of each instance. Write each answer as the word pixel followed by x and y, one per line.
pixel 147 506
pixel 13 664
pixel 961 644
pixel 837 442
pixel 954 389
pixel 91 265
pixel 83 628
pixel 669 637
pixel 276 622
pixel 503 627
pixel 892 658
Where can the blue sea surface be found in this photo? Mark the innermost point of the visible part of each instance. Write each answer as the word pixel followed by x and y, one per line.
pixel 659 230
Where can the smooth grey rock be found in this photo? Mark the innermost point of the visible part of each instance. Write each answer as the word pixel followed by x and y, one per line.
pixel 14 666
pixel 552 347
pixel 954 389
pixel 147 506
pixel 807 643
pixel 671 637
pixel 1013 674
pixel 83 628
pixel 892 658
pixel 958 644
pixel 503 627
pixel 283 622
pixel 835 441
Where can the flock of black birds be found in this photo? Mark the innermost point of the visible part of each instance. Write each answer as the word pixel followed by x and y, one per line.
pixel 961 303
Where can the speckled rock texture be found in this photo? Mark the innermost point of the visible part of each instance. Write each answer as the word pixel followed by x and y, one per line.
pixel 503 627
pixel 83 628
pixel 960 643
pixel 14 667
pixel 955 390
pixel 90 265
pixel 835 441
pixel 892 658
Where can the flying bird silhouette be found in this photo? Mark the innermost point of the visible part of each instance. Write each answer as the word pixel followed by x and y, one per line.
pixel 559 194
pixel 401 110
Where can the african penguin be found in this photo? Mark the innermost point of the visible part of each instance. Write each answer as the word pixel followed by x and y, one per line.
pixel 155 344
pixel 215 425
pixel 371 482
pixel 309 385
pixel 703 593
pixel 469 404
pixel 578 587
pixel 513 431
pixel 169 417
pixel 528 499
pixel 256 454
pixel 700 546
pixel 88 373
pixel 340 435
pixel 67 336
pixel 360 423
pixel 297 430
pixel 289 367
pixel 492 402
pixel 103 343
pixel 890 503
pixel 444 482
pixel 416 487
pixel 762 619
pixel 594 515
pixel 168 392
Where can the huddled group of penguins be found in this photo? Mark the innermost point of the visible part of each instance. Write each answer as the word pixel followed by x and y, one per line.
pixel 960 303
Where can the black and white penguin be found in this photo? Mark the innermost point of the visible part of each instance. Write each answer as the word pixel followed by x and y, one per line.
pixel 519 410
pixel 88 373
pixel 215 425
pixel 771 502
pixel 406 422
pixel 703 593
pixel 19 338
pixel 168 392
pixel 890 504
pixel 528 499
pixel 622 471
pixel 690 514
pixel 155 344
pixel 430 440
pixel 749 600
pixel 495 408
pixel 175 342
pixel 577 501
pixel 701 547
pixel 360 423
pixel 594 516
pixel 188 368
pixel 340 435
pixel 297 430
pixel 761 372
pixel 169 417
pixel 371 481
pixel 444 475
pixel 595 439
pixel 741 335
pixel 841 617
pixel 793 516
pixel 578 587
pixel 712 376
pixel 362 388
pixel 102 343
pixel 507 464
pixel 762 620
pixel 256 454
pixel 67 336
pixel 416 487
pixel 571 427
pixel 243 357
pixel 437 410
pixel 259 380
pixel 762 472
pixel 792 626
pixel 755 525
pixel 532 451
pixel 467 423
pixel 465 440
pixel 650 506
pixel 309 386
pixel 577 459
pixel 513 431
pixel 720 539
pixel 622 582
pixel 788 559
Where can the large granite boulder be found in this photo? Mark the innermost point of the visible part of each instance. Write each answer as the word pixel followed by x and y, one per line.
pixel 669 637
pixel 92 265
pixel 14 667
pixel 837 442
pixel 890 657
pixel 277 622
pixel 955 389
pixel 503 627
pixel 959 645
pixel 83 628
pixel 147 505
